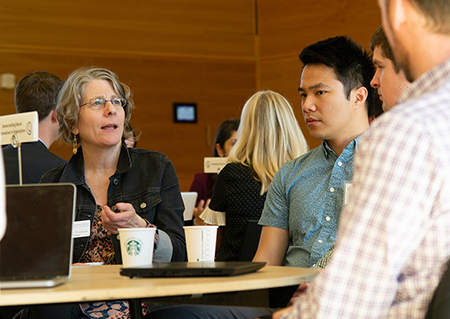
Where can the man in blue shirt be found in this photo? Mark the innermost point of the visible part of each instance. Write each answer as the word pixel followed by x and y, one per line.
pixel 306 196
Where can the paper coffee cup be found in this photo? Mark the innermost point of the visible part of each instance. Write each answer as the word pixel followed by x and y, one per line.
pixel 136 246
pixel 201 243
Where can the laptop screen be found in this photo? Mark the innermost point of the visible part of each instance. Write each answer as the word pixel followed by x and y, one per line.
pixel 38 238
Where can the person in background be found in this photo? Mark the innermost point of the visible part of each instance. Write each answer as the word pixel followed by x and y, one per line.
pixel 305 199
pixel 389 79
pixel 268 137
pixel 117 187
pixel 203 183
pixel 394 239
pixel 132 140
pixel 37 91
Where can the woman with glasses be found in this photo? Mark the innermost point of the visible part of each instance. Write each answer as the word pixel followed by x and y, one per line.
pixel 117 187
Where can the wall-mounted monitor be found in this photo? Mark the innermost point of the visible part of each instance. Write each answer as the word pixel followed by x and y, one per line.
pixel 184 112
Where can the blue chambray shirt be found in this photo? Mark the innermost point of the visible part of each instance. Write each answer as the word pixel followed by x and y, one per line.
pixel 306 197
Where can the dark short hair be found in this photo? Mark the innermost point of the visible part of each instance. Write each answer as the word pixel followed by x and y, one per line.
pixel 224 132
pixel 379 40
pixel 37 91
pixel 352 65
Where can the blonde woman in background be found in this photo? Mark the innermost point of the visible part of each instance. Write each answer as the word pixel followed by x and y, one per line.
pixel 268 137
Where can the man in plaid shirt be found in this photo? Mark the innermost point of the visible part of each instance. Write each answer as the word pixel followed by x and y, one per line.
pixel 394 234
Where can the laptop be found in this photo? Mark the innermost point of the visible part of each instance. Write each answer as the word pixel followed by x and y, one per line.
pixel 189 199
pixel 187 269
pixel 36 250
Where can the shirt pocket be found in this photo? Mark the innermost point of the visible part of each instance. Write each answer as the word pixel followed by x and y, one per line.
pixel 145 204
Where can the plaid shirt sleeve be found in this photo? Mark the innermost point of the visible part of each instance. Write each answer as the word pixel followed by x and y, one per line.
pixel 393 234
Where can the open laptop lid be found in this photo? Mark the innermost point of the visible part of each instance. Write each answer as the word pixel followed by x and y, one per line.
pixel 36 250
pixel 189 199
pixel 187 269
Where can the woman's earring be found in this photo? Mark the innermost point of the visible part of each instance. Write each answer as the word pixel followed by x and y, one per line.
pixel 75 144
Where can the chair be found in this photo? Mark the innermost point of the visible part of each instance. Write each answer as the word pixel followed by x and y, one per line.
pixel 189 200
pixel 2 198
pixel 440 303
pixel 251 241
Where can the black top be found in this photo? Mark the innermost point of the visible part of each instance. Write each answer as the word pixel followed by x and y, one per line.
pixel 36 161
pixel 237 193
pixel 143 178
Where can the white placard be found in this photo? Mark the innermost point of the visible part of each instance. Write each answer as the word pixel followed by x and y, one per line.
pixel 25 126
pixel 214 164
pixel 81 228
pixel 347 191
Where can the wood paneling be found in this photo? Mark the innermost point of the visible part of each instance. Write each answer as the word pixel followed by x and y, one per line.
pixel 156 84
pixel 165 27
pixel 166 51
pixel 177 51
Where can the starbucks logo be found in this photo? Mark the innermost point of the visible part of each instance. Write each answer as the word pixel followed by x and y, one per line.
pixel 134 247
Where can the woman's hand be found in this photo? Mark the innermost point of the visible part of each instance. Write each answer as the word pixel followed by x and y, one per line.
pixel 124 217
pixel 199 210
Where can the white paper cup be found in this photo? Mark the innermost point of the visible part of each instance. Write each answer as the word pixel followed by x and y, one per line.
pixel 201 243
pixel 136 245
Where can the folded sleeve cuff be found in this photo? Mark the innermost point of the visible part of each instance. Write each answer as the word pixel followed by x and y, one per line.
pixel 213 217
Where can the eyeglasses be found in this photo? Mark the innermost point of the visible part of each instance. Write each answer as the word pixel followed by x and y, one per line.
pixel 100 103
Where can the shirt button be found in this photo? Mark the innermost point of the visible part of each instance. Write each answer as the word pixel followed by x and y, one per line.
pixel 332 189
pixel 327 218
pixel 320 241
pixel 115 181
pixel 143 205
pixel 339 163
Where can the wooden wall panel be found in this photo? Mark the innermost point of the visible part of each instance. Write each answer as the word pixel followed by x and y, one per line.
pixel 178 51
pixel 156 84
pixel 285 27
pixel 166 51
pixel 164 27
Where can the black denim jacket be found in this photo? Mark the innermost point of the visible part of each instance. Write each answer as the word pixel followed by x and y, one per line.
pixel 143 178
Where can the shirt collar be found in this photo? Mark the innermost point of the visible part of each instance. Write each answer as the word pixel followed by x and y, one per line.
pixel 428 82
pixel 351 147
pixel 42 142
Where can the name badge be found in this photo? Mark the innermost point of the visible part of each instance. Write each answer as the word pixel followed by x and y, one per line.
pixel 81 228
pixel 347 191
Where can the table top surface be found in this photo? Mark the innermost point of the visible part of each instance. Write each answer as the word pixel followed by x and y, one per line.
pixel 95 283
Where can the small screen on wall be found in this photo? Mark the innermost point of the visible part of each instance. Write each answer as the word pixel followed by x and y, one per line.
pixel 185 112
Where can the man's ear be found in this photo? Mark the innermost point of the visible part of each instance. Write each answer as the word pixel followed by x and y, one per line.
pixel 220 151
pixel 360 96
pixel 53 116
pixel 398 12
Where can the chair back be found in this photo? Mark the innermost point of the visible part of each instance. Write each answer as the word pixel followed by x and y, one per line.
pixel 251 241
pixel 440 303
pixel 2 198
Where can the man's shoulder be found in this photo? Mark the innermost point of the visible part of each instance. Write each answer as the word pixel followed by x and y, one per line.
pixel 35 152
pixel 299 163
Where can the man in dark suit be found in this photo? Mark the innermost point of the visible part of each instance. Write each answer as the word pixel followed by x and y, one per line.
pixel 37 91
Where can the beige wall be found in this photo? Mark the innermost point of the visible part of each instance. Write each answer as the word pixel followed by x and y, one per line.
pixel 169 51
